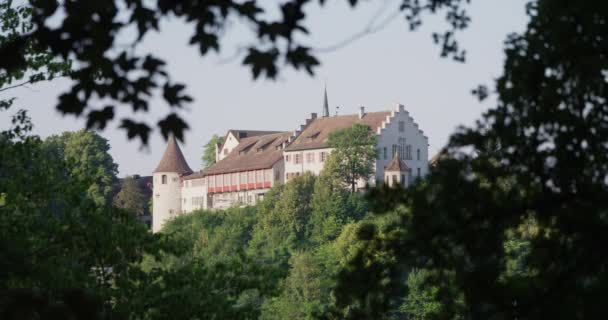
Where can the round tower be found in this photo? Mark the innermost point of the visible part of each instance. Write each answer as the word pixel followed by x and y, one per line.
pixel 166 195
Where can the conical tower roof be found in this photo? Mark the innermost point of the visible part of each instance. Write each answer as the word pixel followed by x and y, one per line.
pixel 173 159
pixel 397 165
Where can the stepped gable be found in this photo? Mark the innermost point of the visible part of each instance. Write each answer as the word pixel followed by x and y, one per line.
pixel 397 164
pixel 315 135
pixel 173 159
pixel 252 153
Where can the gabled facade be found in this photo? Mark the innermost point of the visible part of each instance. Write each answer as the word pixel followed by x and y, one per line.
pixel 396 132
pixel 250 162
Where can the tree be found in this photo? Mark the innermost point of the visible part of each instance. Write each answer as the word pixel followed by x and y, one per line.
pixel 57 247
pixel 86 154
pixel 130 197
pixel 210 150
pixel 37 64
pixel 353 154
pixel 517 228
pixel 121 74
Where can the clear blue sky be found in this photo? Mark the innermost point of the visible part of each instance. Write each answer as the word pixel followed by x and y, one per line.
pixel 393 65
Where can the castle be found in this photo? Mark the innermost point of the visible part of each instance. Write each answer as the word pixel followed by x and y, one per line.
pixel 249 163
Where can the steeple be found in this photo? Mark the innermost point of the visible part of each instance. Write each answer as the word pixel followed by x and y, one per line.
pixel 325 112
pixel 173 159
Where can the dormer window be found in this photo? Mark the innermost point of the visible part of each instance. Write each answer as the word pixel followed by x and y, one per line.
pixel 247 148
pixel 266 144
pixel 314 135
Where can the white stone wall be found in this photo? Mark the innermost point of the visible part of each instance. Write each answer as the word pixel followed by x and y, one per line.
pixel 226 200
pixel 389 135
pixel 278 171
pixel 166 199
pixel 194 195
pixel 230 143
pixel 309 161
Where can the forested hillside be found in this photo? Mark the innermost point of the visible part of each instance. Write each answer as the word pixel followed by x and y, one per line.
pixel 281 258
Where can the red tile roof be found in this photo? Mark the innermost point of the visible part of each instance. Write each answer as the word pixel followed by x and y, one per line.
pixel 252 153
pixel 317 132
pixel 397 164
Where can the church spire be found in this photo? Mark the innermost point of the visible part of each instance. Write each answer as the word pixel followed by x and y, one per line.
pixel 325 104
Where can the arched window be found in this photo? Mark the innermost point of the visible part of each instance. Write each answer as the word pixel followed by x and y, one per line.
pixel 164 179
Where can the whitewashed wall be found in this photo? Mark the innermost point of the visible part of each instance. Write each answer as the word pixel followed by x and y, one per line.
pixel 166 199
pixel 389 134
pixel 194 195
pixel 230 143
pixel 314 166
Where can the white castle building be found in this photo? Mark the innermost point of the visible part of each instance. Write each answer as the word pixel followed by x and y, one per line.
pixel 249 163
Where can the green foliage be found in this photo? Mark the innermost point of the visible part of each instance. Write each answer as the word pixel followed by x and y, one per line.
pixel 36 64
pixel 283 220
pixel 88 160
pixel 353 155
pixel 514 228
pixel 131 197
pixel 60 251
pixel 421 301
pixel 209 150
pixel 124 75
pixel 332 208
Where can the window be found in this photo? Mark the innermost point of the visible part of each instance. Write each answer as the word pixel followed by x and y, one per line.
pixel 277 175
pixel 174 179
pixel 286 158
pixel 322 156
pixel 402 149
pixel 394 179
pixel 402 179
pixel 394 151
pixel 259 176
pixel 296 158
pixel 164 179
pixel 418 172
pixel 384 152
pixel 171 211
pixel 408 152
pixel 417 154
pixel 250 177
pixel 401 126
pixel 310 157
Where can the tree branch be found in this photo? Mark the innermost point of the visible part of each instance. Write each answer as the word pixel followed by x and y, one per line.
pixel 371 28
pixel 25 83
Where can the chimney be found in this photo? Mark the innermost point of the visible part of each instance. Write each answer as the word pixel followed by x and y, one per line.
pixel 313 115
pixel 361 112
